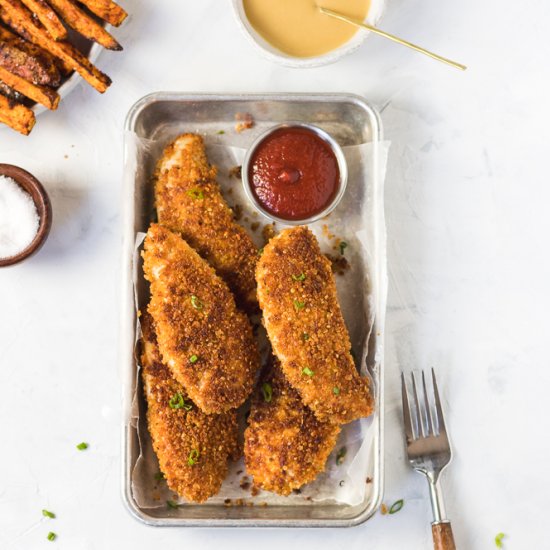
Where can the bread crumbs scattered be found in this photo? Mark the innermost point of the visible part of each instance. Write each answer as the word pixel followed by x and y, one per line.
pixel 254 226
pixel 237 212
pixel 339 264
pixel 369 480
pixel 245 122
pixel 244 483
pixel 268 232
pixel 254 491
pixel 383 509
pixel 235 172
pixel 326 232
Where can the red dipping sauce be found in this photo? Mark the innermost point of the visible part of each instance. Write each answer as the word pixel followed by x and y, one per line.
pixel 293 173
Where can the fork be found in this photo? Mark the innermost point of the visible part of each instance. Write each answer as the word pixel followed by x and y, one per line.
pixel 428 450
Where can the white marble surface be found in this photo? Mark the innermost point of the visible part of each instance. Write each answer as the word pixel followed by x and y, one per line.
pixel 467 211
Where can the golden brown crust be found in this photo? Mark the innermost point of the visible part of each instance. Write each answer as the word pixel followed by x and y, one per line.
pixel 189 201
pixel 178 433
pixel 297 295
pixel 286 446
pixel 205 341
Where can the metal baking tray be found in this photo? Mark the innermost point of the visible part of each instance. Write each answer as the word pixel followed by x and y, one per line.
pixel 160 116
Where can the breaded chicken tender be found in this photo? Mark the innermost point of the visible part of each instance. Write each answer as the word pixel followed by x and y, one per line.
pixel 297 295
pixel 205 341
pixel 286 446
pixel 189 202
pixel 193 448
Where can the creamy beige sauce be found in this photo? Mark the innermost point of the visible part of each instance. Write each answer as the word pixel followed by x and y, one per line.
pixel 298 28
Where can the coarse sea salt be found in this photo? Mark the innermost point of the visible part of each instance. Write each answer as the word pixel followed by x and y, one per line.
pixel 19 219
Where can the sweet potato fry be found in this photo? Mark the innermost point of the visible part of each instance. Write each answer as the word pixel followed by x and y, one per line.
pixel 36 68
pixel 84 24
pixel 47 17
pixel 46 96
pixel 11 94
pixel 20 19
pixel 107 10
pixel 16 116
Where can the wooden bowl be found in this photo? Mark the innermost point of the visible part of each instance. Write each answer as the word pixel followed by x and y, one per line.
pixel 43 207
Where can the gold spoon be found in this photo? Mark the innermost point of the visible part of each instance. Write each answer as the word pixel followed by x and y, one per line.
pixel 358 23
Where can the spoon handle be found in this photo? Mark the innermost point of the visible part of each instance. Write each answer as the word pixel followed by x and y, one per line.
pixel 394 38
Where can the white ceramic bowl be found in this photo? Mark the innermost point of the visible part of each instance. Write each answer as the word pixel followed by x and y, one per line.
pixel 273 54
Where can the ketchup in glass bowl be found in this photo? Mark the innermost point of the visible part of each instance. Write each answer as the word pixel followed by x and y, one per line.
pixel 295 173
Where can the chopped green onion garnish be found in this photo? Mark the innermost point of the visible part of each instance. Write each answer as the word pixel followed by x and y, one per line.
pixel 336 391
pixel 220 132
pixel 178 402
pixel 48 514
pixel 299 305
pixel 300 277
pixel 196 303
pixel 196 194
pixel 51 535
pixel 82 446
pixel 396 506
pixel 193 457
pixel 193 358
pixel 267 392
pixel 498 539
pixel 159 476
pixel 343 246
pixel 340 455
pixel 307 371
pixel 305 336
pixel 172 504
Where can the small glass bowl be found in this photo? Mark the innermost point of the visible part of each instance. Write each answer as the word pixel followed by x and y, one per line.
pixel 335 148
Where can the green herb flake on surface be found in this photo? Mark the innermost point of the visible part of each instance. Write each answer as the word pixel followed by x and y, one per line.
pixel 220 132
pixel 177 401
pixel 82 446
pixel 196 194
pixel 193 358
pixel 299 305
pixel 159 476
pixel 343 246
pixel 498 540
pixel 196 303
pixel 307 371
pixel 336 391
pixel 396 506
pixel 300 277
pixel 267 392
pixel 52 536
pixel 340 455
pixel 48 514
pixel 305 336
pixel 172 504
pixel 193 457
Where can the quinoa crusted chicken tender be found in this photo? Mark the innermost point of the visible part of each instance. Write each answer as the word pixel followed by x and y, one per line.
pixel 189 201
pixel 286 446
pixel 206 342
pixel 302 316
pixel 193 448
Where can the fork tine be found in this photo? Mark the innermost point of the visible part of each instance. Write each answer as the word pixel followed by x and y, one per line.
pixel 429 420
pixel 419 419
pixel 409 432
pixel 439 410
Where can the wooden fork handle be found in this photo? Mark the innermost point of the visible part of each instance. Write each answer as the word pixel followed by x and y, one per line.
pixel 443 536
